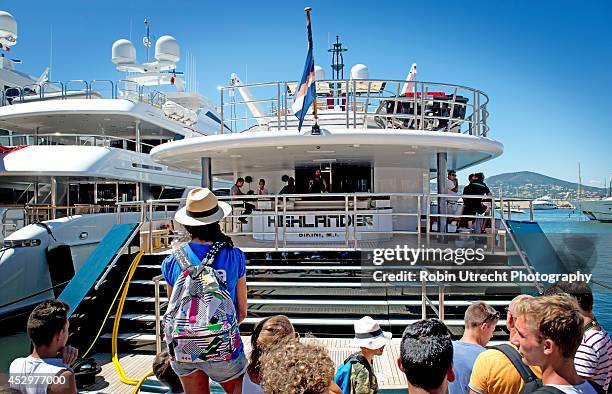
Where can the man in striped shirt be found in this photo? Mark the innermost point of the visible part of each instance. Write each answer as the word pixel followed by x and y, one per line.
pixel 593 359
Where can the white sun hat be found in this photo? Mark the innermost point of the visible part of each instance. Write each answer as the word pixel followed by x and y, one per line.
pixel 369 335
pixel 201 208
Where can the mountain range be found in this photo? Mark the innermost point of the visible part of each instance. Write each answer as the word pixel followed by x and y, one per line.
pixel 529 184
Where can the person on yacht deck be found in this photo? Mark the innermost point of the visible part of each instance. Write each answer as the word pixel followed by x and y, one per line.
pixel 317 184
pixel 261 190
pixel 473 206
pixel 236 191
pixel 289 188
pixel 452 187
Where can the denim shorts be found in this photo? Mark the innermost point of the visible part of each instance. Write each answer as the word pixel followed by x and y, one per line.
pixel 218 371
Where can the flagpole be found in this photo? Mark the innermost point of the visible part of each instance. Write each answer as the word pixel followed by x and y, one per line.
pixel 315 128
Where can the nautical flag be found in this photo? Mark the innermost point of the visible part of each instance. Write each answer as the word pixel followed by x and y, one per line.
pixel 411 76
pixel 306 91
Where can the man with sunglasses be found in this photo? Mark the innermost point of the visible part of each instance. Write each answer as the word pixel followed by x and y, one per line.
pixel 480 321
pixel 493 371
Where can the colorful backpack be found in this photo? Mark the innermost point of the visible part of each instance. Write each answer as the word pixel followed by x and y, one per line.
pixel 200 323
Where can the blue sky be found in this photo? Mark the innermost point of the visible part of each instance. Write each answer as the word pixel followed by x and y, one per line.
pixel 546 65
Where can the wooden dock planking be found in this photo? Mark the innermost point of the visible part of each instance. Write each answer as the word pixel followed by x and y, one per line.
pixel 136 365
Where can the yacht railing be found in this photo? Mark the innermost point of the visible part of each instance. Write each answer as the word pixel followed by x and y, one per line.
pixel 367 103
pixel 83 89
pixel 355 209
pixel 73 139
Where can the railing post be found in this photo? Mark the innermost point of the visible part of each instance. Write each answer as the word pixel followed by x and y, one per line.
pixel 354 104
pixel 276 223
pixel 419 209
pixel 278 107
pixel 286 104
pixel 346 101
pixel 157 316
pixel 355 221
pixel 531 211
pixel 222 112
pixel 346 221
pixel 150 226
pixel 427 217
pixel 423 299
pixel 284 221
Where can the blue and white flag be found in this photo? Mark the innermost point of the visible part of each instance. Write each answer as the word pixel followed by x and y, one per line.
pixel 306 91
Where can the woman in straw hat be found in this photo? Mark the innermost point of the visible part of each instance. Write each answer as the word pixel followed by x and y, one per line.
pixel 201 216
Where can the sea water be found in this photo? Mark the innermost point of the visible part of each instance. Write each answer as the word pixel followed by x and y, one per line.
pixel 553 222
pixel 565 221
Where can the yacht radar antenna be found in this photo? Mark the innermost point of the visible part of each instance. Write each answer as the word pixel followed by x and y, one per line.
pixel 337 59
pixel 8 30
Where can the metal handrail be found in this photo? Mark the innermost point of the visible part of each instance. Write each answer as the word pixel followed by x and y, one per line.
pixel 62 89
pixel 349 208
pixel 349 95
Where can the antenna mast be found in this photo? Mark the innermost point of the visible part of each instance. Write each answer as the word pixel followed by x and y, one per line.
pixel 337 59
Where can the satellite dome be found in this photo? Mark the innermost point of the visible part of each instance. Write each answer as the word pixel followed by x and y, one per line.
pixel 360 71
pixel 8 29
pixel 167 49
pixel 319 73
pixel 123 52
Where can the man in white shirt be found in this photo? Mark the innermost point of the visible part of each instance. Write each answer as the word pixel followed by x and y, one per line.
pixel 593 359
pixel 548 333
pixel 46 370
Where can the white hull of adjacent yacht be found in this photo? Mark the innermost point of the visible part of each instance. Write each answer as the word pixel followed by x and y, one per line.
pixel 93 161
pixel 24 270
pixel 596 209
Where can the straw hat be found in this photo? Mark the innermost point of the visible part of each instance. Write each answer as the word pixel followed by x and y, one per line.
pixel 369 335
pixel 202 208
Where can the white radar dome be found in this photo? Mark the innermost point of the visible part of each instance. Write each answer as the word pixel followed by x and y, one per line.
pixel 319 73
pixel 360 71
pixel 124 52
pixel 8 29
pixel 167 49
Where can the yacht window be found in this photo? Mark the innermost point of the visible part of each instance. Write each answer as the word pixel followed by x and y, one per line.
pixel 21 243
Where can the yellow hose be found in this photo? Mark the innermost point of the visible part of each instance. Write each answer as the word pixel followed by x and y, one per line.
pixel 106 317
pixel 120 371
pixel 141 381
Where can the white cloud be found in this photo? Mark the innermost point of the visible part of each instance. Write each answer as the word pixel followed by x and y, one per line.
pixel 593 182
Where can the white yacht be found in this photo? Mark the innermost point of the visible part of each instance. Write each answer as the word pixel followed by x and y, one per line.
pixel 544 203
pixel 596 209
pixel 372 142
pixel 71 150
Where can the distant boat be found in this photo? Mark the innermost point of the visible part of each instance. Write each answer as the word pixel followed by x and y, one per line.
pixel 596 209
pixel 543 203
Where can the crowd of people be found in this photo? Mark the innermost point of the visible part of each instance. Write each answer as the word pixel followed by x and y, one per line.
pixel 556 344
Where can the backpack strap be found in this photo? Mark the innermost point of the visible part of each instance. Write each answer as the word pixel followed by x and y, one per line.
pixel 209 259
pixel 597 387
pixel 182 256
pixel 185 257
pixel 515 358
